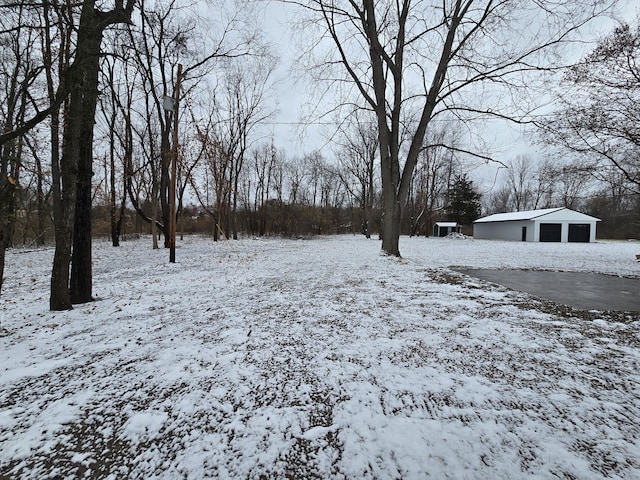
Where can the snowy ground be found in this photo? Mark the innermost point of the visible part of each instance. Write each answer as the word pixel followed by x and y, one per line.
pixel 317 359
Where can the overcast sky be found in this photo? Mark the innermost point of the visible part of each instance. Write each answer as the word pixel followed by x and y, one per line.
pixel 292 96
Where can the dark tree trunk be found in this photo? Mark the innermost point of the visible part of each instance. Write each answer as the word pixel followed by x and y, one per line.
pixel 390 229
pixel 234 212
pixel 89 40
pixel 7 213
pixel 216 228
pixel 114 219
pixel 164 183
pixel 115 232
pixel 3 249
pixel 117 218
pixel 64 176
pixel 42 206
pixel 81 271
pixel 61 171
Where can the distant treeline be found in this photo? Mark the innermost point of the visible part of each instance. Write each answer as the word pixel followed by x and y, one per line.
pixel 619 221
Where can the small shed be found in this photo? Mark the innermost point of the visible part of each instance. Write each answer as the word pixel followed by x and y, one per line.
pixel 547 225
pixel 442 229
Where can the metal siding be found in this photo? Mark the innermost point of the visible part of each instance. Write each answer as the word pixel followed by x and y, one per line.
pixel 503 230
pixel 566 215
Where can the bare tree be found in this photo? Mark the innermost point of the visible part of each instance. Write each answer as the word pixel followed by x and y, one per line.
pixel 77 85
pixel 28 58
pixel 162 41
pixel 19 71
pixel 240 110
pixel 59 24
pixel 217 171
pixel 599 114
pixel 498 200
pixel 528 185
pixel 357 156
pixel 571 184
pixel 618 208
pixel 40 189
pixel 544 184
pixel 168 35
pixel 25 18
pixel 520 177
pixel 116 109
pixel 410 60
pixel 263 174
pixel 433 176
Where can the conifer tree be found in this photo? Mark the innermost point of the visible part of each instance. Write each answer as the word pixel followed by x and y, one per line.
pixel 464 201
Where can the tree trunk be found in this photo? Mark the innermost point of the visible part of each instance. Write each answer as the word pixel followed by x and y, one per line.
pixel 181 215
pixel 216 228
pixel 88 53
pixel 154 214
pixel 63 173
pixel 10 160
pixel 7 204
pixel 114 222
pixel 3 249
pixel 81 271
pixel 115 217
pixel 60 169
pixel 234 213
pixel 164 182
pixel 42 205
pixel 390 229
pixel 115 228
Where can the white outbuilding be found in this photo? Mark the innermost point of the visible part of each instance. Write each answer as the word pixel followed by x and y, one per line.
pixel 547 225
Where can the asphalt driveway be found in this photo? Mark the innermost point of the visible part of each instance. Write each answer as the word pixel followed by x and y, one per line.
pixel 585 291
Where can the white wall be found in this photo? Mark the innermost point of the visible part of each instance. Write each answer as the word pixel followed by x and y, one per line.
pixel 504 230
pixel 565 228
pixel 565 217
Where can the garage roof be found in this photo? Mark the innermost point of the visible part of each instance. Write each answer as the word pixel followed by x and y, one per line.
pixel 529 215
pixel 446 224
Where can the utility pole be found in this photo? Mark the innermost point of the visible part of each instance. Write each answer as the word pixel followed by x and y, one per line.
pixel 174 161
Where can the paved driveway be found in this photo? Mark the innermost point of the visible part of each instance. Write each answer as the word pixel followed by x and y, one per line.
pixel 585 291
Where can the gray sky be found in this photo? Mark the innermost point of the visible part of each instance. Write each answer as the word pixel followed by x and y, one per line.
pixel 293 95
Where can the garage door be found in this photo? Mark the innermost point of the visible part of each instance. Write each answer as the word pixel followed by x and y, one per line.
pixel 579 232
pixel 550 232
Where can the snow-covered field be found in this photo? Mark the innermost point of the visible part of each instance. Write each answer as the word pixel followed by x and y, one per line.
pixel 274 359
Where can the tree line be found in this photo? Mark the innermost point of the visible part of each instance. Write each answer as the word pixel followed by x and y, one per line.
pixel 273 195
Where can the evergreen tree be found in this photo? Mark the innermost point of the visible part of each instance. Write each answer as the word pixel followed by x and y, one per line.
pixel 464 201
